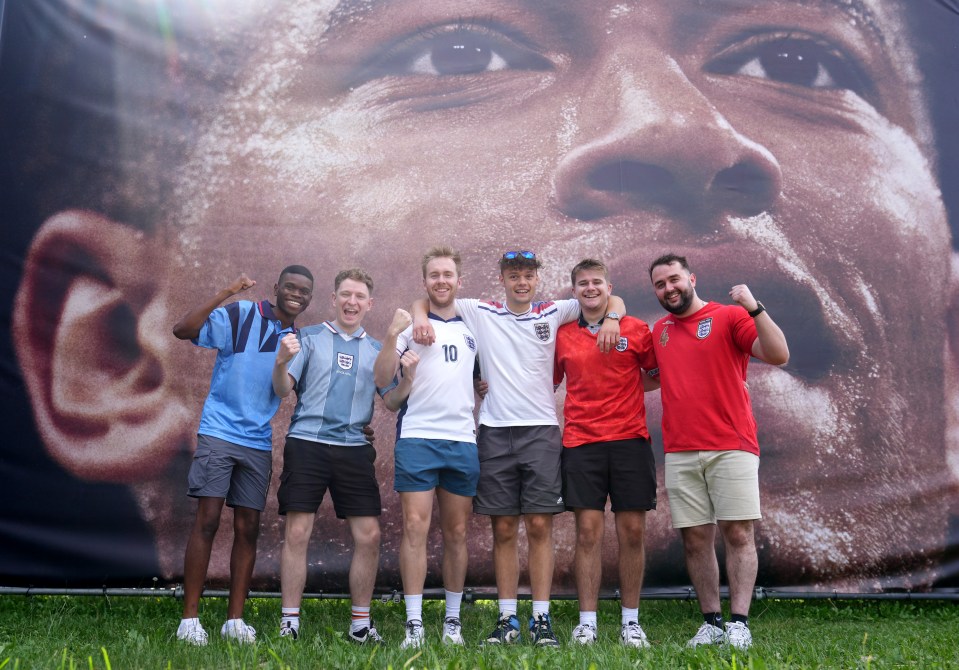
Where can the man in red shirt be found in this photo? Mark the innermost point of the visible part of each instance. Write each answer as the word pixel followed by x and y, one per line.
pixel 607 450
pixel 709 435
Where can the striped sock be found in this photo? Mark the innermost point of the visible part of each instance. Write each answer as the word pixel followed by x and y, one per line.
pixel 361 618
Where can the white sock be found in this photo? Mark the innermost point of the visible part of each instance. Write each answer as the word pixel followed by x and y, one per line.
pixel 507 607
pixel 630 615
pixel 414 606
pixel 453 601
pixel 540 607
pixel 587 617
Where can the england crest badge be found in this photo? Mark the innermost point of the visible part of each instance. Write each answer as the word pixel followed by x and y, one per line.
pixel 542 331
pixel 345 361
pixel 470 342
pixel 704 328
pixel 622 345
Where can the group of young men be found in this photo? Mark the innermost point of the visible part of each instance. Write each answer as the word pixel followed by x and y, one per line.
pixel 517 466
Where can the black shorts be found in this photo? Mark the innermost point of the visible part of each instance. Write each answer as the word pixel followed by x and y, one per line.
pixel 624 470
pixel 309 468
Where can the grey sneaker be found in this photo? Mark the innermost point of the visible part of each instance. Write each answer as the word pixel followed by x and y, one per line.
pixel 415 635
pixel 453 631
pixel 633 635
pixel 541 630
pixel 584 633
pixel 365 635
pixel 237 629
pixel 506 631
pixel 738 635
pixel 707 634
pixel 192 633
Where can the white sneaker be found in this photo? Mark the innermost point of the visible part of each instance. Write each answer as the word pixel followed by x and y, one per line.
pixel 738 635
pixel 584 633
pixel 453 631
pixel 237 629
pixel 192 632
pixel 707 634
pixel 415 635
pixel 633 635
pixel 289 629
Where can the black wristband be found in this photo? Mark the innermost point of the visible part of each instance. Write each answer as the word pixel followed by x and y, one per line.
pixel 760 308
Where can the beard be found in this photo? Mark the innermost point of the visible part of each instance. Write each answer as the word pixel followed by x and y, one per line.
pixel 686 299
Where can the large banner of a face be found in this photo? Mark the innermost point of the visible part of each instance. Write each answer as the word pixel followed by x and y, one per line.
pixel 153 151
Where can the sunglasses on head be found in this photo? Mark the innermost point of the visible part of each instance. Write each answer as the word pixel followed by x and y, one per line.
pixel 511 255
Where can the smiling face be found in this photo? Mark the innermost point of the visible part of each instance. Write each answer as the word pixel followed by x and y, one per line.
pixel 675 287
pixel 592 290
pixel 775 143
pixel 441 282
pixel 520 284
pixel 351 302
pixel 293 293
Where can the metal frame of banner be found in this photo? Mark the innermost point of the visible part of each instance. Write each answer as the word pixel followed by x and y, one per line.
pixel 475 595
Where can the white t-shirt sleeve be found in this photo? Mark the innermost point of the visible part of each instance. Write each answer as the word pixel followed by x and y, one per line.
pixel 568 310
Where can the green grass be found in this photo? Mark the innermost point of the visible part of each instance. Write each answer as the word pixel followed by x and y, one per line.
pixel 66 632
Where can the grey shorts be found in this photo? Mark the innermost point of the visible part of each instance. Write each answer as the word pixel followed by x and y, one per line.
pixel 222 469
pixel 519 471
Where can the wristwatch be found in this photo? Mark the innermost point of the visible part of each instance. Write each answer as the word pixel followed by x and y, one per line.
pixel 760 308
pixel 613 315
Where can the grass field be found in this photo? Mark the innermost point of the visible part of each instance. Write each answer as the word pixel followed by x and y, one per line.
pixel 108 632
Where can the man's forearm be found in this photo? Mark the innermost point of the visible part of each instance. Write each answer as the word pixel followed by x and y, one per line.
pixel 282 381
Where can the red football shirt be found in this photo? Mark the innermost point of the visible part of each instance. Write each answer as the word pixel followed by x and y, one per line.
pixel 702 368
pixel 604 392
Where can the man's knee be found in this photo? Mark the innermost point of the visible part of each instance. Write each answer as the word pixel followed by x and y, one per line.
pixel 366 535
pixel 738 535
pixel 539 527
pixel 588 535
pixel 505 529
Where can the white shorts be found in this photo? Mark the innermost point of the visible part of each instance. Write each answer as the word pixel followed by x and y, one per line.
pixel 706 486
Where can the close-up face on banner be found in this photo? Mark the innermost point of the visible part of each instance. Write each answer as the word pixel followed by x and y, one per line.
pixel 806 148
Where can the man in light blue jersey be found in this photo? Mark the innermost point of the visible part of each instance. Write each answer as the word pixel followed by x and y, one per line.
pixel 330 366
pixel 233 461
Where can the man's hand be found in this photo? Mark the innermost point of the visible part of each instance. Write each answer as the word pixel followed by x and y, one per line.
pixel 480 387
pixel 423 332
pixel 408 363
pixel 742 296
pixel 240 284
pixel 401 321
pixel 608 336
pixel 368 433
pixel 189 326
pixel 289 347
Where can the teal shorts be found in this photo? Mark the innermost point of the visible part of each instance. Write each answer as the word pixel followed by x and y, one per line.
pixel 423 464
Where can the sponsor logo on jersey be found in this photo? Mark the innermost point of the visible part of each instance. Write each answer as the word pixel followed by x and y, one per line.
pixel 704 328
pixel 470 342
pixel 345 361
pixel 622 345
pixel 542 331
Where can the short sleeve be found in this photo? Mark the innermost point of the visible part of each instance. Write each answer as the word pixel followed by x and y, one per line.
pixel 217 331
